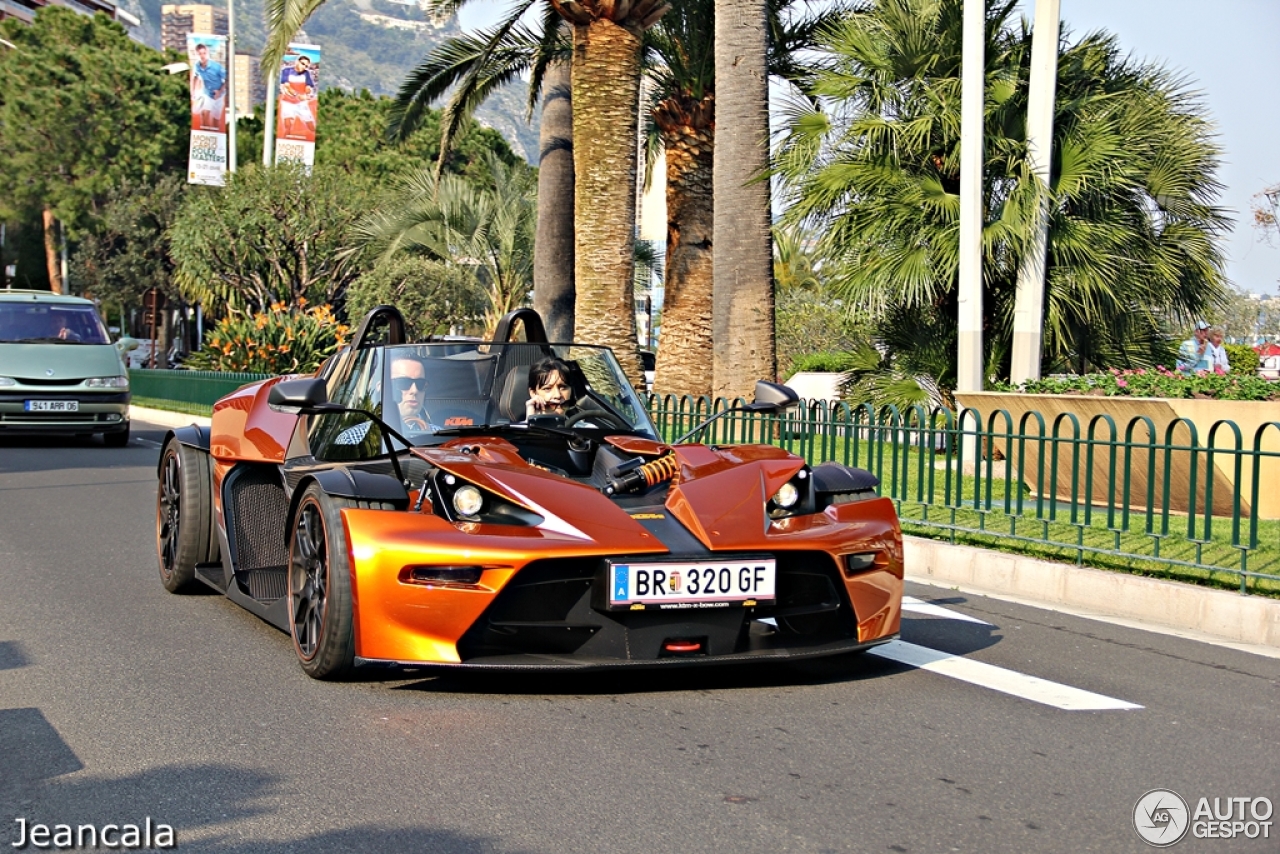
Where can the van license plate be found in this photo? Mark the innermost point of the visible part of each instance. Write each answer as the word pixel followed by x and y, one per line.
pixel 53 406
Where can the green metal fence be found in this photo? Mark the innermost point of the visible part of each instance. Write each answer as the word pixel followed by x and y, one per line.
pixel 1159 499
pixel 185 391
pixel 1156 499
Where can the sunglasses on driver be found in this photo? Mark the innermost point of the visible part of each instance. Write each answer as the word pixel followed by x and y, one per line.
pixel 402 384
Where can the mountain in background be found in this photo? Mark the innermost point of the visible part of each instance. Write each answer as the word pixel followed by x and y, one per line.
pixel 371 44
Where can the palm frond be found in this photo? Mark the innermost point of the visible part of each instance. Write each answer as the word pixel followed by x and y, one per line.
pixel 284 19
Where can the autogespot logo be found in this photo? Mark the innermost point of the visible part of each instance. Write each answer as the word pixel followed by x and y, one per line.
pixel 1160 817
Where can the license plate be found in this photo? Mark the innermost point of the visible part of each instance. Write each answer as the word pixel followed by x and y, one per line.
pixel 692 584
pixel 53 406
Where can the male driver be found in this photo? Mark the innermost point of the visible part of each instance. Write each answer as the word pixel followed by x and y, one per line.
pixel 208 98
pixel 408 388
pixel 297 90
pixel 1194 354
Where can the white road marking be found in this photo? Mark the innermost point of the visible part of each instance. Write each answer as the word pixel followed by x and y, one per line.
pixel 147 442
pixel 919 606
pixel 998 678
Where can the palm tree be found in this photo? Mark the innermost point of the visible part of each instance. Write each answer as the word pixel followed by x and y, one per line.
pixel 678 66
pixel 682 83
pixel 604 57
pixel 1132 231
pixel 487 231
pixel 743 318
pixel 553 290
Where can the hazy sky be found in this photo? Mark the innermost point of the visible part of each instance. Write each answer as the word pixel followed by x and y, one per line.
pixel 1229 50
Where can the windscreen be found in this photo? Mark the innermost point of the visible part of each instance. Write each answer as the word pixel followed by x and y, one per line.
pixel 434 387
pixel 50 323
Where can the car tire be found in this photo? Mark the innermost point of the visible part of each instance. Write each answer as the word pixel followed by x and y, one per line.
pixel 320 608
pixel 116 440
pixel 183 515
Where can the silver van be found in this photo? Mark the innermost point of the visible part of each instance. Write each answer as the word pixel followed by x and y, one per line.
pixel 59 371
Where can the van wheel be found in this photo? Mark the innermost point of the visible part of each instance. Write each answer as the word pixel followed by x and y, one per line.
pixel 116 440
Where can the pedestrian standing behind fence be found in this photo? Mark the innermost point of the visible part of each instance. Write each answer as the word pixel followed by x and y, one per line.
pixel 1194 353
pixel 1217 352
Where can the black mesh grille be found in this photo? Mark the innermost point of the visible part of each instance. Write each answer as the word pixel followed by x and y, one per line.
pixel 267 585
pixel 258 507
pixel 548 609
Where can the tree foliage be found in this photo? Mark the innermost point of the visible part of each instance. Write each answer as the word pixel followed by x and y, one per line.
pixel 351 135
pixel 811 321
pixel 483 229
pixel 434 297
pixel 128 252
pixel 83 109
pixel 1133 231
pixel 270 235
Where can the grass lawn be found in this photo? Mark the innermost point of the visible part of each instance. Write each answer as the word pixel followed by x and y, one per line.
pixel 204 409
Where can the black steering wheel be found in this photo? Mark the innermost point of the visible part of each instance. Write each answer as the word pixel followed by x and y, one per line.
pixel 590 408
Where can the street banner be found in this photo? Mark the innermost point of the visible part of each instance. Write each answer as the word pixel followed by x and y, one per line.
pixel 207 56
pixel 296 116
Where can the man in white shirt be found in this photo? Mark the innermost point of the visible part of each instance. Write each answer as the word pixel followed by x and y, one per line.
pixel 1217 352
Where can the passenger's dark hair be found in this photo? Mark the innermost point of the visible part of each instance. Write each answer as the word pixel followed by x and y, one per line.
pixel 544 368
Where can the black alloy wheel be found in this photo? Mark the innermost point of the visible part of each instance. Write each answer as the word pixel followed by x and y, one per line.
pixel 320 619
pixel 182 515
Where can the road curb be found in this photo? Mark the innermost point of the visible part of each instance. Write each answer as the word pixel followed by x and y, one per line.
pixel 164 418
pixel 1218 613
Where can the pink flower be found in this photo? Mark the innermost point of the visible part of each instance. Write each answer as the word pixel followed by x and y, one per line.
pixel 1122 383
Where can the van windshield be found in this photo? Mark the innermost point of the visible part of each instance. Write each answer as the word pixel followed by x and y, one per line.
pixel 50 323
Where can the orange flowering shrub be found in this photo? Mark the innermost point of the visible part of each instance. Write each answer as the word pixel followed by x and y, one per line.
pixel 281 340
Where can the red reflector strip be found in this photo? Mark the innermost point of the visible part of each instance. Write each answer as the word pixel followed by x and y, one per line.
pixel 682 646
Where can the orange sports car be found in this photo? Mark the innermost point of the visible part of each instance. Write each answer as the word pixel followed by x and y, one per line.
pixel 510 504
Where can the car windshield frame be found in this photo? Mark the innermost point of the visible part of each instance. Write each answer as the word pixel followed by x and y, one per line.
pixel 50 323
pixel 476 387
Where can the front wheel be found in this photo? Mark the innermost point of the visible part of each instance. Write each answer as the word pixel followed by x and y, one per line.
pixel 320 619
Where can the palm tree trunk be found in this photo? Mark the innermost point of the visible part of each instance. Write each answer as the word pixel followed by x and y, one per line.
pixel 51 251
pixel 553 291
pixel 606 97
pixel 685 355
pixel 743 324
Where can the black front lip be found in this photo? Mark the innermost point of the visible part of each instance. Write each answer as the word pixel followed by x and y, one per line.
pixel 569 663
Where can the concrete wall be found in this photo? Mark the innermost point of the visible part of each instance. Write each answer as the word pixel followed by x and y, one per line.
pixel 1227 615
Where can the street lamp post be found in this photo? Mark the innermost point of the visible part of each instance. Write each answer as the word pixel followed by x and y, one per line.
pixel 231 85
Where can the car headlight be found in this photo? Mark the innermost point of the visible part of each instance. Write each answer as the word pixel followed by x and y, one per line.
pixel 7 381
pixel 787 496
pixel 107 382
pixel 467 500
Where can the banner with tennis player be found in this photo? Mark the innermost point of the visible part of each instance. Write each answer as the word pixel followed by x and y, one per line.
pixel 299 93
pixel 207 160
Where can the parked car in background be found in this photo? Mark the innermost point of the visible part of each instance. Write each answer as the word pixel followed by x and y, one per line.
pixel 59 371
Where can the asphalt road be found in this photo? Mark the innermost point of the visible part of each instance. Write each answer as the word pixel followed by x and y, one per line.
pixel 119 701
